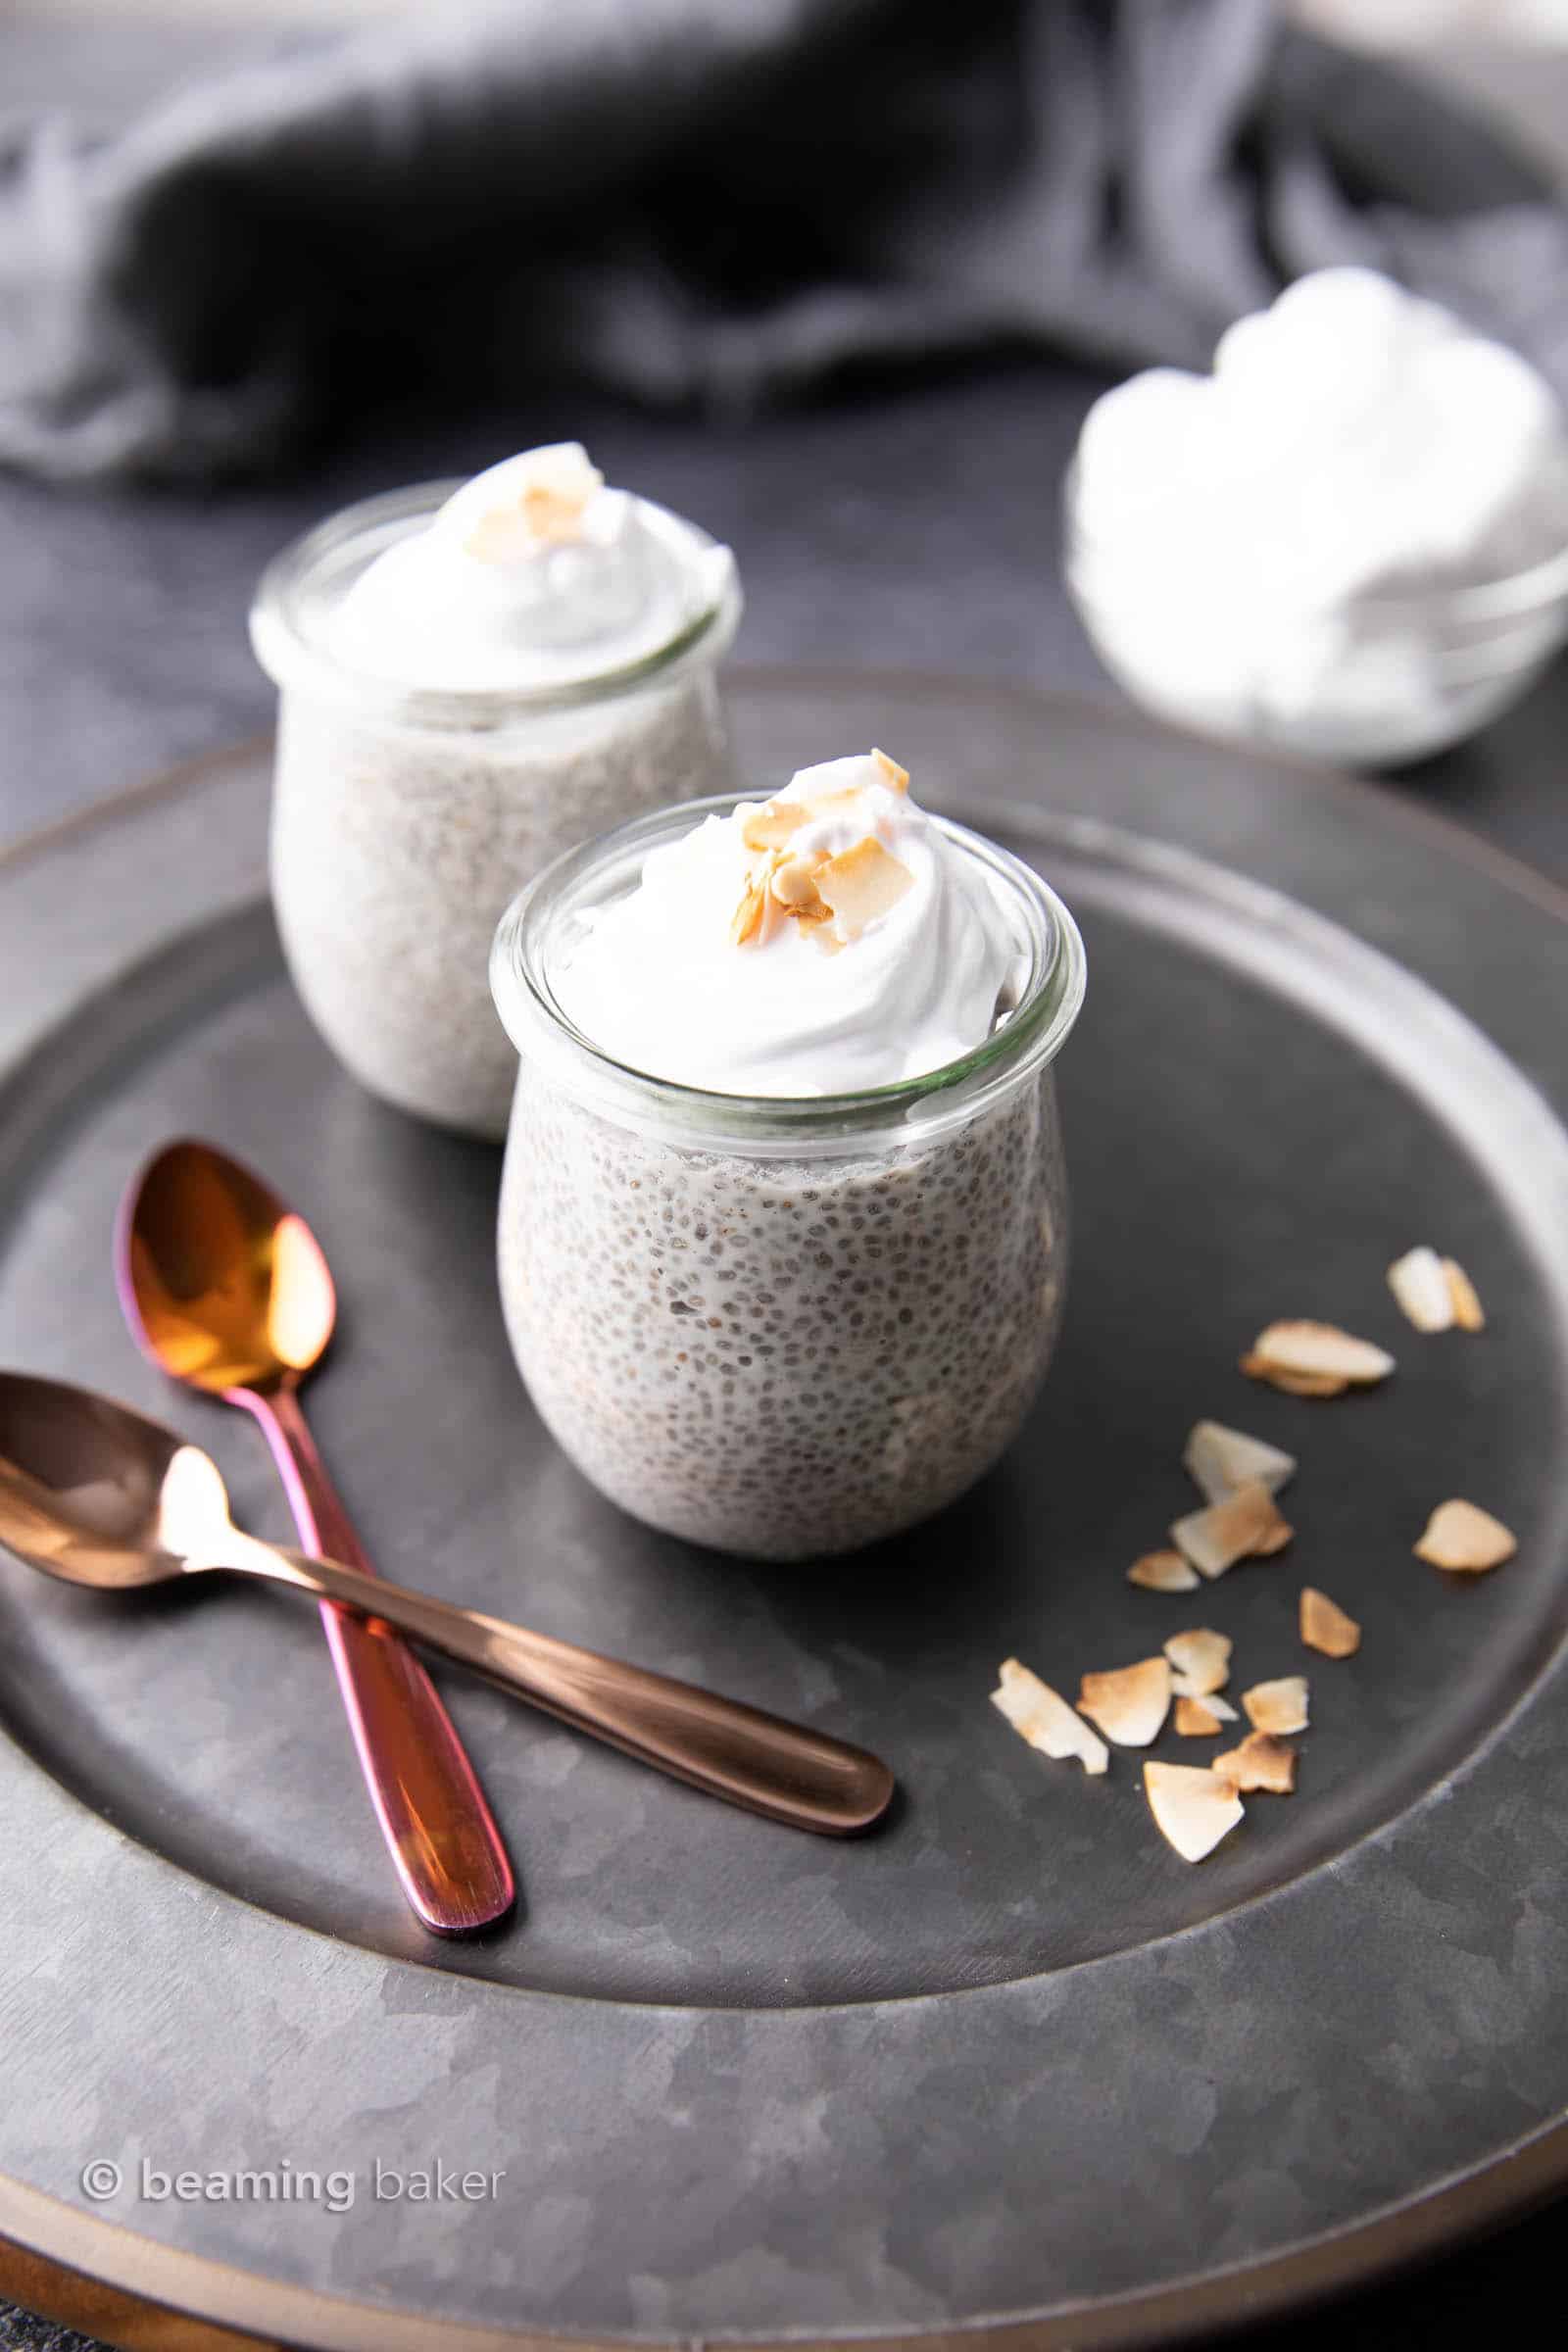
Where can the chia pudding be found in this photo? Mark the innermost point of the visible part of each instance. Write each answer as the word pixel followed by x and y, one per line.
pixel 471 681
pixel 788 1316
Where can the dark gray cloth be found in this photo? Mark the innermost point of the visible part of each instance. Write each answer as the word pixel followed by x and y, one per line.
pixel 712 201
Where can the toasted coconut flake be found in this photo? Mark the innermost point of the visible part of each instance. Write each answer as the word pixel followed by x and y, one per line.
pixel 1192 1809
pixel 1042 1717
pixel 1325 1626
pixel 861 884
pixel 544 508
pixel 1321 1352
pixel 1279 1706
pixel 1466 1538
pixel 894 778
pixel 1163 1572
pixel 1293 1384
pixel 1260 1762
pixel 1195 1719
pixel 1180 1688
pixel 1201 1658
pixel 794 886
pixel 1421 1286
pixel 1467 1310
pixel 746 919
pixel 772 825
pixel 1216 1537
pixel 1221 1459
pixel 1130 1705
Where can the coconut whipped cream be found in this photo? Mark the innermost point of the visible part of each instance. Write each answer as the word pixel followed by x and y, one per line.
pixel 830 940
pixel 1278 546
pixel 532 574
pixel 1353 436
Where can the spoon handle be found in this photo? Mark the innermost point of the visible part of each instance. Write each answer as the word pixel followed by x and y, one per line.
pixel 440 1831
pixel 733 1751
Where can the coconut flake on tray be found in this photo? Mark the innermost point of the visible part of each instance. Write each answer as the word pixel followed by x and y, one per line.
pixel 1202 1661
pixel 1468 1314
pixel 1222 1460
pixel 1200 1714
pixel 1130 1703
pixel 1163 1572
pixel 1193 1807
pixel 1463 1538
pixel 1420 1285
pixel 1262 1761
pixel 1277 1706
pixel 1315 1359
pixel 1243 1525
pixel 1325 1626
pixel 1042 1717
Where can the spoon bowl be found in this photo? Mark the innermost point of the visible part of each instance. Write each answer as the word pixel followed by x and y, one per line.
pixel 227 1286
pixel 92 1493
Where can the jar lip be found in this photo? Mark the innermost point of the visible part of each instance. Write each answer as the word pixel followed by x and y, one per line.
pixel 288 639
pixel 541 1029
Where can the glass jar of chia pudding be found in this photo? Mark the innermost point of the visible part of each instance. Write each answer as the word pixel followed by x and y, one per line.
pixel 407 809
pixel 781 1326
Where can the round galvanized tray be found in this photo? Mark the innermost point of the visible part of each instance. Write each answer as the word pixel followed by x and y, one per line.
pixel 1010 2063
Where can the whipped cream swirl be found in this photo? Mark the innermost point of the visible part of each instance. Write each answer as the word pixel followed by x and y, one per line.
pixel 826 942
pixel 532 574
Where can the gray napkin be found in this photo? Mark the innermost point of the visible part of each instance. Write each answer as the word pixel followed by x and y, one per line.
pixel 712 202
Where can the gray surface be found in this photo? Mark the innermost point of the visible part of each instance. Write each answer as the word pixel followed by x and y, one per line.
pixel 1203 2086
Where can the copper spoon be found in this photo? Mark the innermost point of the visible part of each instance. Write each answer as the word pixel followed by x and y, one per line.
pixel 93 1493
pixel 226 1290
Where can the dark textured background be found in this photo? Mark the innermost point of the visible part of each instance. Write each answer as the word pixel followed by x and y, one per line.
pixel 910 525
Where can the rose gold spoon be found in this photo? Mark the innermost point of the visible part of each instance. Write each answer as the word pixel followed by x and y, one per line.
pixel 227 1291
pixel 93 1493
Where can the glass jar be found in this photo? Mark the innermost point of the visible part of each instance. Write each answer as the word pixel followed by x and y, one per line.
pixel 781 1327
pixel 405 818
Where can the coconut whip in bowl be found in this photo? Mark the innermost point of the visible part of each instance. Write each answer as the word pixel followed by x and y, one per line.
pixel 471 680
pixel 1350 538
pixel 783 1234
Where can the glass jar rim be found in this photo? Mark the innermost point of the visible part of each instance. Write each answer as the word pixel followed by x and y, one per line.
pixel 776 1125
pixel 290 647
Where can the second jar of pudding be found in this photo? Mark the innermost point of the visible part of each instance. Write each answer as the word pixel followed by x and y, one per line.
pixel 772 1318
pixel 471 678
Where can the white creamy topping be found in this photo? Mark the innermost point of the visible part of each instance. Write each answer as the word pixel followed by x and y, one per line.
pixel 799 1007
pixel 531 575
pixel 1285 548
pixel 1352 440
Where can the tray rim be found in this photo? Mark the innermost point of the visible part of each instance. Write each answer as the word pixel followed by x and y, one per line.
pixel 1505 2187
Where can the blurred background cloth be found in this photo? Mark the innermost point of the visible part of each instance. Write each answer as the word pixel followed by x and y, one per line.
pixel 712 202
